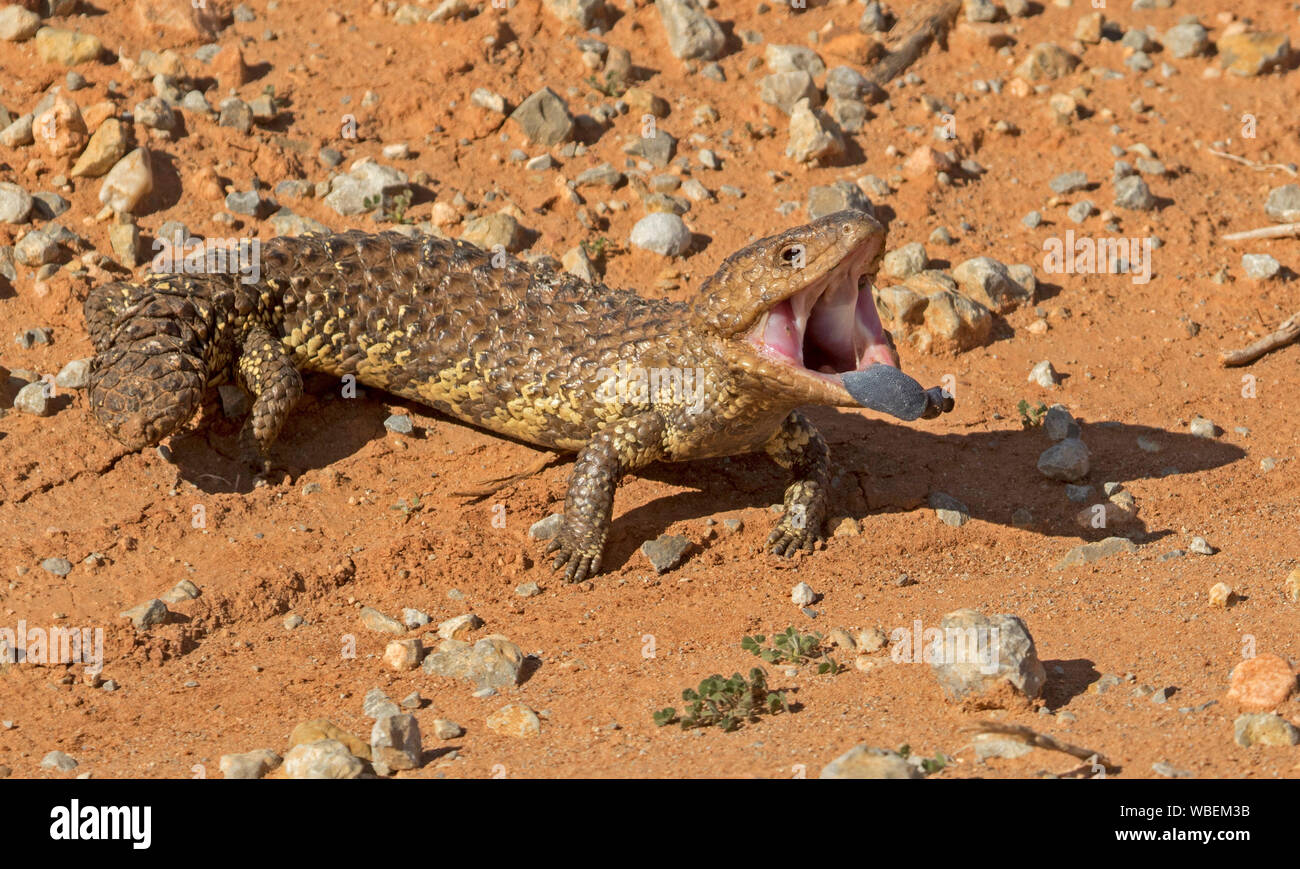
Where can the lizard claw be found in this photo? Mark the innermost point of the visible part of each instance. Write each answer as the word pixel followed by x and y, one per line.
pixel 582 563
pixel 786 538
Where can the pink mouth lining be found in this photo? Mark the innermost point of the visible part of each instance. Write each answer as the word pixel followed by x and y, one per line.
pixel 829 327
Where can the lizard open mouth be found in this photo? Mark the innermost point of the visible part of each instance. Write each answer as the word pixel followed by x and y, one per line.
pixel 829 327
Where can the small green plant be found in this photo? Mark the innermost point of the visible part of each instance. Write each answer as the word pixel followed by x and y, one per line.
pixel 929 765
pixel 792 647
pixel 611 86
pixel 1031 416
pixel 725 703
pixel 396 210
pixel 597 248
pixel 408 507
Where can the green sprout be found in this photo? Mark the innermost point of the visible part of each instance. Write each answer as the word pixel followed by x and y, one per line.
pixel 395 212
pixel 408 507
pixel 725 703
pixel 1031 416
pixel 792 647
pixel 929 765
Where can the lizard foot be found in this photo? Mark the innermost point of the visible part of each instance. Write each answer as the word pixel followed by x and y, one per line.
pixel 789 536
pixel 583 560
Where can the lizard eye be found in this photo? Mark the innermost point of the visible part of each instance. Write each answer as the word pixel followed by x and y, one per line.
pixel 793 255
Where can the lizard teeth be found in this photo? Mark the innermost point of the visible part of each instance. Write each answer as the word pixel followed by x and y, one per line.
pixel 803 303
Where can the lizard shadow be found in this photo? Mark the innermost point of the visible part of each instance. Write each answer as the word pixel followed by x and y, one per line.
pixel 879 466
pixel 323 429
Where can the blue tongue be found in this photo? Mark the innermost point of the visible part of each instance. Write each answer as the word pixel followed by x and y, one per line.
pixel 888 390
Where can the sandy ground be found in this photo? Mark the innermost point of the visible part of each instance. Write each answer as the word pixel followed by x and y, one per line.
pixel 225 675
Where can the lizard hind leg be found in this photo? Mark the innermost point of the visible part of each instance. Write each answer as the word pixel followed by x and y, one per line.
pixel 269 375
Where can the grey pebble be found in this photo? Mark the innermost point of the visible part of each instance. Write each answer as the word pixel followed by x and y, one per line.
pixel 666 551
pixel 57 566
pixel 399 423
pixel 546 529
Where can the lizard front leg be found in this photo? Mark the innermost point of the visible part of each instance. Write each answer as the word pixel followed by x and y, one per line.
pixel 800 448
pixel 268 374
pixel 622 447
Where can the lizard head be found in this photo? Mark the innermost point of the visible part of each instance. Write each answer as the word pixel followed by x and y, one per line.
pixel 796 309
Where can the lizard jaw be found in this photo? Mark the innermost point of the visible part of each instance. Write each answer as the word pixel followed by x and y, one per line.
pixel 827 329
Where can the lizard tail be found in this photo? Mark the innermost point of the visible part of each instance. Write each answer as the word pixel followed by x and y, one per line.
pixel 149 372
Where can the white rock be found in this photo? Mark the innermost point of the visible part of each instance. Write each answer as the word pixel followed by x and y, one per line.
pixel 1260 266
pixel 327 758
pixel 662 233
pixel 127 183
pixel 18 24
pixel 1043 374
pixel 15 203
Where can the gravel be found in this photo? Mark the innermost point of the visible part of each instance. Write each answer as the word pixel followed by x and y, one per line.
pixel 691 33
pixel 948 509
pixel 544 118
pixel 1186 40
pixel 1002 655
pixel 1283 204
pixel 399 423
pixel 1068 182
pixel 1081 211
pixel 34 399
pixel 59 761
pixel 1044 375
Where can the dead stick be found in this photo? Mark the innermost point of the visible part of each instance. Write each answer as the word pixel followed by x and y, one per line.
pixel 484 488
pixel 1258 167
pixel 1029 736
pixel 926 24
pixel 1281 230
pixel 1285 334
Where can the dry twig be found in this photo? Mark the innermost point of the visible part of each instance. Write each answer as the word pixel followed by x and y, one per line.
pixel 1281 230
pixel 926 23
pixel 1258 167
pixel 1029 736
pixel 484 488
pixel 1285 334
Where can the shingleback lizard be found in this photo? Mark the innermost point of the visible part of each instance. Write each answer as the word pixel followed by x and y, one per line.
pixel 519 349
